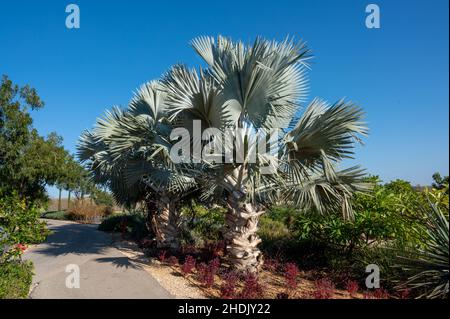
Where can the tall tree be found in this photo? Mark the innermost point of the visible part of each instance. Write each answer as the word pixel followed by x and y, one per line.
pixel 28 161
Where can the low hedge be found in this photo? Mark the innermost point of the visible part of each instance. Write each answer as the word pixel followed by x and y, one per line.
pixel 133 224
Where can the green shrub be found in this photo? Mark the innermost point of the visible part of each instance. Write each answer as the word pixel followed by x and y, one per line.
pixel 19 224
pixel 133 224
pixel 15 279
pixel 397 205
pixel 202 224
pixel 286 215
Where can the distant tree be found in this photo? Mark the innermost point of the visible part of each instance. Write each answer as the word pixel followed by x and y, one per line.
pixel 439 182
pixel 103 197
pixel 399 186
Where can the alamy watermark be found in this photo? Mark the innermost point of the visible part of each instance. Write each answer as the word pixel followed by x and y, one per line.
pixel 73 279
pixel 73 17
pixel 373 19
pixel 234 145
pixel 373 279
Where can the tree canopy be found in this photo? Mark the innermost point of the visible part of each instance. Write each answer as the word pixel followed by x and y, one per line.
pixel 28 161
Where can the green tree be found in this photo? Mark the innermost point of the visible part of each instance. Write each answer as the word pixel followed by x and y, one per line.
pixel 440 182
pixel 28 161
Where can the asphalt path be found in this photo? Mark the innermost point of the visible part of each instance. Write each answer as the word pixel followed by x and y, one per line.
pixel 77 253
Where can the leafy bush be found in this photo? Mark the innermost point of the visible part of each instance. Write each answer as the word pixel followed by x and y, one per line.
pixel 132 224
pixel 275 236
pixel 19 224
pixel 394 206
pixel 202 224
pixel 15 279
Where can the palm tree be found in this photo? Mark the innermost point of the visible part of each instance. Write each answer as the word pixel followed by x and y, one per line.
pixel 261 86
pixel 245 88
pixel 129 152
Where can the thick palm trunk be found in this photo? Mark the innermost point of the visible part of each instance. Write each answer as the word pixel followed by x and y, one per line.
pixel 241 225
pixel 165 224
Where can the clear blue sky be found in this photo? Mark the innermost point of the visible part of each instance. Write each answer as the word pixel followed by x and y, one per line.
pixel 398 74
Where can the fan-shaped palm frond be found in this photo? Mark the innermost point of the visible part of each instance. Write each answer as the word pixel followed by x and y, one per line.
pixel 325 134
pixel 264 81
pixel 316 191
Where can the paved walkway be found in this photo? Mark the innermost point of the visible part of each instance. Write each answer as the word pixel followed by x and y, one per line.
pixel 104 271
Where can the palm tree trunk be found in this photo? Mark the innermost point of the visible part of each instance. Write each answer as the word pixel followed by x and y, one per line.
pixel 166 224
pixel 241 226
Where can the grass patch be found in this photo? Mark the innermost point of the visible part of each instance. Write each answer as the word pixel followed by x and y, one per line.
pixel 15 279
pixel 58 215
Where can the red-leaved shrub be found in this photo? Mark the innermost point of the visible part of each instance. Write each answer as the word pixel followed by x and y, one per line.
pixel 162 256
pixel 352 287
pixel 324 289
pixel 189 265
pixel 378 293
pixel 404 294
pixel 290 275
pixel 207 272
pixel 228 288
pixel 252 289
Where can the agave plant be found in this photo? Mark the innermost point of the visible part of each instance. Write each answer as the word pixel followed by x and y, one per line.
pixel 262 86
pixel 430 264
pixel 129 152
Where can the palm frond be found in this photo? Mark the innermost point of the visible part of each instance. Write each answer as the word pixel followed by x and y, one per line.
pixel 265 80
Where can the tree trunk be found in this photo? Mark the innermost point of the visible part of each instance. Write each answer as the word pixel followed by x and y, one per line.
pixel 166 224
pixel 59 200
pixel 241 225
pixel 68 200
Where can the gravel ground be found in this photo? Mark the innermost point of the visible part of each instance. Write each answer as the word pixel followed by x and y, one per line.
pixel 167 277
